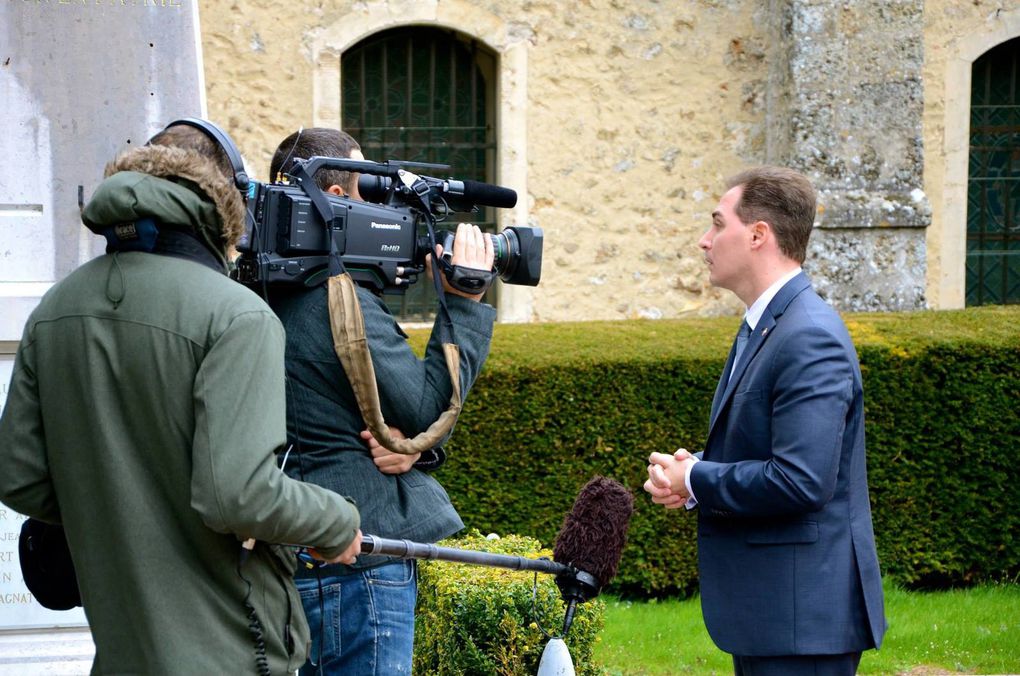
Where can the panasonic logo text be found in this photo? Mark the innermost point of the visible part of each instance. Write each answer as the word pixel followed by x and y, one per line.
pixel 385 226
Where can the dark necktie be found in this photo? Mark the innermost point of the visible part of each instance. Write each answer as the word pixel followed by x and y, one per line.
pixel 742 335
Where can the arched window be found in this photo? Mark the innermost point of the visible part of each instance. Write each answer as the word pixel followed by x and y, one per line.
pixel 423 94
pixel 993 190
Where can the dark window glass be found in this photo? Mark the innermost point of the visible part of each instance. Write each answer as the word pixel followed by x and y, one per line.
pixel 423 94
pixel 993 189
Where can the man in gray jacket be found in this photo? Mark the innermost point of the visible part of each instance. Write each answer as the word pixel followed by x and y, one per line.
pixel 145 406
pixel 373 632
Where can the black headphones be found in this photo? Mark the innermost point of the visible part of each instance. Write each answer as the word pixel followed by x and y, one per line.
pixel 241 180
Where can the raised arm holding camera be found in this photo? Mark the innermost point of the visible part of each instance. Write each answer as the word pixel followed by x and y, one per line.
pixel 372 632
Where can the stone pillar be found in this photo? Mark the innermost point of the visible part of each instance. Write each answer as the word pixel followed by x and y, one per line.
pixel 80 81
pixel 845 107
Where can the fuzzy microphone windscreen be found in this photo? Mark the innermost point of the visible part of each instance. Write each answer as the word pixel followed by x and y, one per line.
pixel 595 530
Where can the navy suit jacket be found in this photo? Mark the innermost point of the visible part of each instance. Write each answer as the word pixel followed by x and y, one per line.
pixel 786 550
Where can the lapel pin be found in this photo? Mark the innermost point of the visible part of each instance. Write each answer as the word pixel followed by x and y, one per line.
pixel 764 331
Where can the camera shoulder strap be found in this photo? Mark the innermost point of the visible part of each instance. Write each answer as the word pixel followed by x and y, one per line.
pixel 351 346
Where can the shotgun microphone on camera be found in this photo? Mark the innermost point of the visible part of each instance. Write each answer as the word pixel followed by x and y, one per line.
pixel 375 189
pixel 482 193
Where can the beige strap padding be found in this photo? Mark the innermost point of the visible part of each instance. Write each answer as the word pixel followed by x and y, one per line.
pixel 351 346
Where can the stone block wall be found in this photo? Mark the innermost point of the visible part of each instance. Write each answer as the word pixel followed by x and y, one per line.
pixel 635 113
pixel 847 111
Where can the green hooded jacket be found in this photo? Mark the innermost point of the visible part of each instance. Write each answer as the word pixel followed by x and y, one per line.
pixel 145 409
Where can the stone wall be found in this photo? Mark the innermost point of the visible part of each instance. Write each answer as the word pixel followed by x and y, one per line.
pixel 847 83
pixel 635 112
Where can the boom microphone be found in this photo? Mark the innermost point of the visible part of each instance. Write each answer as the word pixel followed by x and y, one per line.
pixel 594 532
pixel 586 554
pixel 406 549
pixel 591 541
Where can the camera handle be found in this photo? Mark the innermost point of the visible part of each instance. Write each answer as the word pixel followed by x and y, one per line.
pixel 419 187
pixel 468 280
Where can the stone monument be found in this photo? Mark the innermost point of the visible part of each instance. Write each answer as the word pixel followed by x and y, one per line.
pixel 80 81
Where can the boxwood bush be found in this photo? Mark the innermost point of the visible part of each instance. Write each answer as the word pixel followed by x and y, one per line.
pixel 559 403
pixel 492 621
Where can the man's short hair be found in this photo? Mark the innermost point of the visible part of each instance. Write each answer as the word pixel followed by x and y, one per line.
pixel 783 198
pixel 190 138
pixel 309 143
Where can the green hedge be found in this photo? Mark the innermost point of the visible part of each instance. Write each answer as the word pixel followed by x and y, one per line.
pixel 479 620
pixel 559 403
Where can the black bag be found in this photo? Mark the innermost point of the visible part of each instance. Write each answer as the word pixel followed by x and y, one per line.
pixel 46 565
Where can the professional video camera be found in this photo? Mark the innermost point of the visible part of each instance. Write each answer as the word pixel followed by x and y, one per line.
pixel 294 227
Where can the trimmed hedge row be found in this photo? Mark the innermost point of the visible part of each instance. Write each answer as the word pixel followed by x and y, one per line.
pixel 559 403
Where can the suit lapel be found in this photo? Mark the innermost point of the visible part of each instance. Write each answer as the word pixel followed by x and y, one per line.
pixel 724 391
pixel 754 343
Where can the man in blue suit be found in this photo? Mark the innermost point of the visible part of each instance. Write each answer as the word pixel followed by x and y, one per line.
pixel 790 581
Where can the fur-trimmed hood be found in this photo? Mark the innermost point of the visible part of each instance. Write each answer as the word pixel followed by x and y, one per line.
pixel 216 212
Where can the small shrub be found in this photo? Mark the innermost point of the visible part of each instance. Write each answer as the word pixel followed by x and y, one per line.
pixel 481 620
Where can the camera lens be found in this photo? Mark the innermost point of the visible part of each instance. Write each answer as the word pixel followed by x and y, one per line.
pixel 508 252
pixel 518 253
pixel 523 257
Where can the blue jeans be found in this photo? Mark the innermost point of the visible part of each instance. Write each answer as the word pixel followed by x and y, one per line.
pixel 369 620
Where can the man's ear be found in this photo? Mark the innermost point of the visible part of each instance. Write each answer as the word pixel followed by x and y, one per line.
pixel 760 231
pixel 336 190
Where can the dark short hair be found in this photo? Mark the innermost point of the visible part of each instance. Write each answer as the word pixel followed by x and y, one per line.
pixel 190 138
pixel 783 198
pixel 307 143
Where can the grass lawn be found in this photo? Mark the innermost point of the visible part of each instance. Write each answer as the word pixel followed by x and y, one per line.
pixel 973 631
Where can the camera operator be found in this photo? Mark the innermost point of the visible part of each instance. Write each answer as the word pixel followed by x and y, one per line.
pixel 145 406
pixel 374 631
